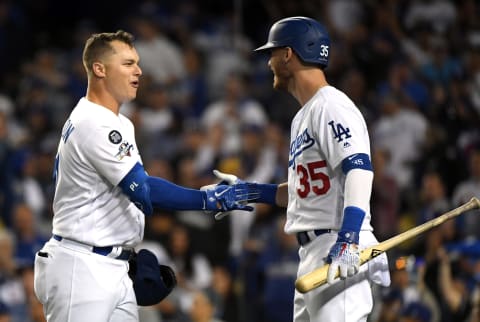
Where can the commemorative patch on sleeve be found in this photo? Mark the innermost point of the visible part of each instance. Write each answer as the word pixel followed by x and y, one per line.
pixel 115 137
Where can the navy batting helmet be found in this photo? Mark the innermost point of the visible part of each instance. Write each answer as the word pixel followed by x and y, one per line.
pixel 306 36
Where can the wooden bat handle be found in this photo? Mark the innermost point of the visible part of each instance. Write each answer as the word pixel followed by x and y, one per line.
pixel 318 276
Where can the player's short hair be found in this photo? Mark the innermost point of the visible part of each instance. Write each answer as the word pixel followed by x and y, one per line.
pixel 100 44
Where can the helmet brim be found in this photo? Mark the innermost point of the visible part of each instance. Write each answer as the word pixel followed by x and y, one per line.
pixel 267 46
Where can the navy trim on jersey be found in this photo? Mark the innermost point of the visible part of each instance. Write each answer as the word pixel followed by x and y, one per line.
pixel 356 161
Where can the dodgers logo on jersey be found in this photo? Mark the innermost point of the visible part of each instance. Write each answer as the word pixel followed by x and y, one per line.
pixel 340 133
pixel 124 150
pixel 298 145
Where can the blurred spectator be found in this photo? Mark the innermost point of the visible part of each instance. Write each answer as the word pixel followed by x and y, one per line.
pixel 354 84
pixel 439 14
pixel 156 123
pixel 390 306
pixel 401 132
pixel 203 307
pixel 257 154
pixel 466 189
pixel 6 174
pixel 404 83
pixel 408 273
pixel 192 92
pixel 225 295
pixel 385 204
pixel 12 291
pixel 345 15
pixel 28 240
pixel 28 189
pixel 262 232
pixel 42 101
pixel 415 312
pixel 4 313
pixel 455 298
pixel 161 57
pixel 226 49
pixel 277 272
pixel 443 68
pixel 433 197
pixel 416 45
pixel 35 308
pixel 236 108
pixel 193 269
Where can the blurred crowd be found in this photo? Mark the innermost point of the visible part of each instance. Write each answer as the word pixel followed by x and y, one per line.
pixel 206 102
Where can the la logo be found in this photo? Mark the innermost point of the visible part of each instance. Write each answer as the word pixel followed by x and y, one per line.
pixel 339 132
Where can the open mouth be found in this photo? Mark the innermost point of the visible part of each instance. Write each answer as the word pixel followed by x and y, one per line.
pixel 135 84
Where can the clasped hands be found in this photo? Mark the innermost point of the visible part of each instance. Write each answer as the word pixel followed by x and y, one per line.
pixel 229 194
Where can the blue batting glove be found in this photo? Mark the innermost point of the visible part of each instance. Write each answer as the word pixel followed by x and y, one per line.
pixel 246 192
pixel 225 198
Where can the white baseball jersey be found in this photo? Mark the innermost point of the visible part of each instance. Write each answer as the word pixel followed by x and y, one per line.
pixel 96 150
pixel 326 130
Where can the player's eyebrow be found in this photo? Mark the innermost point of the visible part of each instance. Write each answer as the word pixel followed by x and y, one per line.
pixel 130 61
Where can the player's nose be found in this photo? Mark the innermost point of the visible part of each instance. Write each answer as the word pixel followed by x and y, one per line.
pixel 138 71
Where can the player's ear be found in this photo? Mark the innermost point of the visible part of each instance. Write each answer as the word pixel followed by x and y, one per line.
pixel 287 54
pixel 98 69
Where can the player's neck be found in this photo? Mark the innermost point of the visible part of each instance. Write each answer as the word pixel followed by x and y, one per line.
pixel 103 98
pixel 306 84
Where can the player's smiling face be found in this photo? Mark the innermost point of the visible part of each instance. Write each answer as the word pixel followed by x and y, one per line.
pixel 122 72
pixel 278 66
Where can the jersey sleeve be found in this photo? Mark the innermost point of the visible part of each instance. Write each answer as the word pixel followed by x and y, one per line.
pixel 112 152
pixel 342 132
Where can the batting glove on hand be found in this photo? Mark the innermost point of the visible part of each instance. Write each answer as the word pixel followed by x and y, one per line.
pixel 344 255
pixel 244 192
pixel 226 198
pixel 247 191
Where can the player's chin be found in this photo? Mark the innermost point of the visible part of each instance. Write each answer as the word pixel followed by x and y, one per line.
pixel 132 94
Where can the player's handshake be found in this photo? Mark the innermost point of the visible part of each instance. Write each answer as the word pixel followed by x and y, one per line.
pixel 224 197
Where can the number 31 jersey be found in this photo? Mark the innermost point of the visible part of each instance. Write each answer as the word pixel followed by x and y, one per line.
pixel 325 131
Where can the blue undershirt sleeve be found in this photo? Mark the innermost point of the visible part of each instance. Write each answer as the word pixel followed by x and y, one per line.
pixel 167 195
pixel 146 191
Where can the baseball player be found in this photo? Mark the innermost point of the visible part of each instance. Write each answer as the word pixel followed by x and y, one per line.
pixel 103 193
pixel 329 177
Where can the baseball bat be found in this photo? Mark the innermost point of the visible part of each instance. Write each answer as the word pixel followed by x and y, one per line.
pixel 318 277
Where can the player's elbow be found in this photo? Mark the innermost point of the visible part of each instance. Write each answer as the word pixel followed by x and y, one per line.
pixel 135 186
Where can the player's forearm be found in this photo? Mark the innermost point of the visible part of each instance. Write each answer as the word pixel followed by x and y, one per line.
pixel 167 195
pixel 358 188
pixel 281 197
pixel 273 194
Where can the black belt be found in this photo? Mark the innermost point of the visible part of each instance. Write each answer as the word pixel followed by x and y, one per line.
pixel 304 238
pixel 105 251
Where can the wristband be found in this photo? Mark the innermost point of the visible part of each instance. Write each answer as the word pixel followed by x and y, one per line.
pixel 352 223
pixel 268 193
